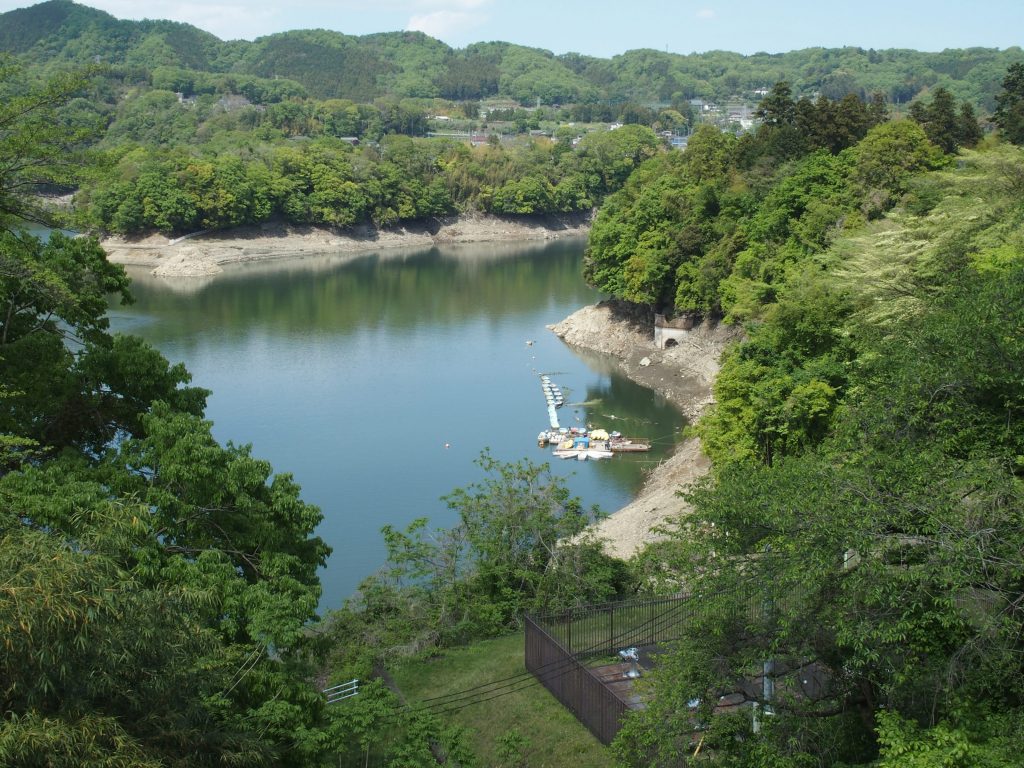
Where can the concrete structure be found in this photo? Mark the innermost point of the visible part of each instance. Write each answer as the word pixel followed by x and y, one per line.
pixel 668 333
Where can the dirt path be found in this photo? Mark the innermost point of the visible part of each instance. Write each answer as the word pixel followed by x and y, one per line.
pixel 684 374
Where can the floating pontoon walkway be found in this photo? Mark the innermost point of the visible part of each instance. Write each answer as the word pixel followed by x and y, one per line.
pixel 553 395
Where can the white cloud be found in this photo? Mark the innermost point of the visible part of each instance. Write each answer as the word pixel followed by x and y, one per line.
pixel 445 5
pixel 226 20
pixel 705 13
pixel 445 24
pixel 403 6
pixel 248 19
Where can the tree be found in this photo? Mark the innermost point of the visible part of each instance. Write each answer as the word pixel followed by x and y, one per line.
pixel 778 108
pixel 968 130
pixel 891 153
pixel 944 126
pixel 613 155
pixel 878 109
pixel 37 150
pixel 1009 114
pixel 884 556
pixel 780 135
pixel 157 585
pixel 518 546
pixel 939 120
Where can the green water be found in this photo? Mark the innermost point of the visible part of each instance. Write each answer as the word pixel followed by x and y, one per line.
pixel 354 375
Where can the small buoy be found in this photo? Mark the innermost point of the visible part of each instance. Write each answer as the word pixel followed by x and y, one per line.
pixel 447 445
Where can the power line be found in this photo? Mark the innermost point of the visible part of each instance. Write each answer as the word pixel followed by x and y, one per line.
pixel 524 680
pixel 568 662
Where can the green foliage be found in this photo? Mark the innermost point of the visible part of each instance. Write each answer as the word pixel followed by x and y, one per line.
pixel 612 156
pixel 153 117
pixel 38 151
pixel 245 97
pixel 886 160
pixel 1009 114
pixel 519 546
pixel 328 182
pixel 522 725
pixel 529 195
pixel 529 74
pixel 865 525
pixel 157 586
pixel 469 74
pixel 648 235
pixel 55 294
pixel 944 127
pixel 329 65
pixel 977 738
pixel 717 230
pixel 778 388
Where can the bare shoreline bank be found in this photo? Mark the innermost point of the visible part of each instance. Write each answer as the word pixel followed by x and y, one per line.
pixel 684 375
pixel 206 254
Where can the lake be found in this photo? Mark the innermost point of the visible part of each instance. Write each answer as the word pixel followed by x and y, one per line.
pixel 376 380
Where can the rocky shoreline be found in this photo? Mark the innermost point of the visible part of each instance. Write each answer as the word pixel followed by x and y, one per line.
pixel 204 254
pixel 683 374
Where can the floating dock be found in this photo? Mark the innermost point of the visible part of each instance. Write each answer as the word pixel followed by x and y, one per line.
pixel 553 396
pixel 578 443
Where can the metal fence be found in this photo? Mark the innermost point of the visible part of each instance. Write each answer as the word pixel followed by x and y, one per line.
pixel 557 644
pixel 574 685
pixel 599 630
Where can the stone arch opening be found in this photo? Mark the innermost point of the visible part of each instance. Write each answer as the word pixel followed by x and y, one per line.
pixel 669 343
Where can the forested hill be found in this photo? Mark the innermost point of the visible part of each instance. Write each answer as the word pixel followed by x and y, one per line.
pixel 325 64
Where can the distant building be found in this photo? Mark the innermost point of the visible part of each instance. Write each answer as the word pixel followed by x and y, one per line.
pixel 232 101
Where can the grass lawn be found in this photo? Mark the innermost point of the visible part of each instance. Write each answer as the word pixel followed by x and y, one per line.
pixel 553 736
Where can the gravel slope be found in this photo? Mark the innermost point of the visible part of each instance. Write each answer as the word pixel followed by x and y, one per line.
pixel 683 374
pixel 205 254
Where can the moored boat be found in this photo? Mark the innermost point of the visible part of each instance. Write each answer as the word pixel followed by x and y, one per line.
pixel 628 445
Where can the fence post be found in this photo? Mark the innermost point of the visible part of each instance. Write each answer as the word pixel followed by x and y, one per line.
pixel 611 629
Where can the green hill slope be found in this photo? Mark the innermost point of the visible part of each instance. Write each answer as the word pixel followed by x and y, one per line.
pixel 330 64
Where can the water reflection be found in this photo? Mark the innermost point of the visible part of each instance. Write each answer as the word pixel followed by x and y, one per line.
pixel 354 373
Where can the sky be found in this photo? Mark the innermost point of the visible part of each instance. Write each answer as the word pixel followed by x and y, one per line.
pixel 605 28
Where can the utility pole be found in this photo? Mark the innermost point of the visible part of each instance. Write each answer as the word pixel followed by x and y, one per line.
pixel 767 672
